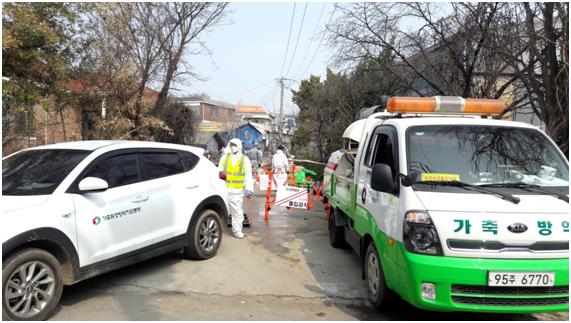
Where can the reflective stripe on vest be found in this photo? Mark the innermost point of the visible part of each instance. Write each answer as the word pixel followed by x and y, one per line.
pixel 235 174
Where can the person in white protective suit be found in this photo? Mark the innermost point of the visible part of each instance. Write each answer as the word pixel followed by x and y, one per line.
pixel 239 182
pixel 279 161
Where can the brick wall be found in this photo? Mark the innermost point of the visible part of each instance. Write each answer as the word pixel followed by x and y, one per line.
pixel 217 113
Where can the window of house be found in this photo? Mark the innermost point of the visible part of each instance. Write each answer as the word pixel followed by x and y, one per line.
pixel 215 112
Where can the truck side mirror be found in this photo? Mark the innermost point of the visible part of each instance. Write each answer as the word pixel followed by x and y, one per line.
pixel 382 178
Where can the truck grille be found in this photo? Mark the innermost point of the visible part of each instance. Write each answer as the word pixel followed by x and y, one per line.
pixel 510 301
pixel 498 246
pixel 476 295
pixel 493 290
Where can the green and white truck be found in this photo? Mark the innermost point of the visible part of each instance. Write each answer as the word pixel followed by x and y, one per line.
pixel 452 209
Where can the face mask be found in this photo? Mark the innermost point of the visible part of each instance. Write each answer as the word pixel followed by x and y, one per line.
pixel 234 149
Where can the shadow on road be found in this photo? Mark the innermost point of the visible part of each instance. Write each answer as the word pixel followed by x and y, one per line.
pixel 140 307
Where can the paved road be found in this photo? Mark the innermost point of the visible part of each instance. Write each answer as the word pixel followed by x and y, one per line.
pixel 285 269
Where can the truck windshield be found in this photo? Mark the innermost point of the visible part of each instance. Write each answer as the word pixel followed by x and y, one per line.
pixel 485 155
pixel 38 172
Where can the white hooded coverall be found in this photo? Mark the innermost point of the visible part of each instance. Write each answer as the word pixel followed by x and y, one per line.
pixel 279 162
pixel 236 196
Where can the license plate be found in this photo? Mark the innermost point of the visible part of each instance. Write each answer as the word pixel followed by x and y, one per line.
pixel 520 279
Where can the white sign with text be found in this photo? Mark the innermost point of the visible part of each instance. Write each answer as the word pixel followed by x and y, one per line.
pixel 291 196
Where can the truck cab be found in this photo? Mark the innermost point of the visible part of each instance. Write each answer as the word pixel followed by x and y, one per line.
pixel 453 210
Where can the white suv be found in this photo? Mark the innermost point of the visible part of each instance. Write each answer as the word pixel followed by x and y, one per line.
pixel 74 210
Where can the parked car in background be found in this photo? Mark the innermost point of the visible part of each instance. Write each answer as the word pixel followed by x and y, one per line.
pixel 75 210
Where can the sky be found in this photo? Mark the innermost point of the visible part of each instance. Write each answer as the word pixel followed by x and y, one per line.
pixel 247 53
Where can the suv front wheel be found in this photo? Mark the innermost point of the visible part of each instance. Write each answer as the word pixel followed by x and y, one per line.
pixel 204 236
pixel 31 284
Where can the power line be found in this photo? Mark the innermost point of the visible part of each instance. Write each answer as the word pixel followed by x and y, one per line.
pixel 248 90
pixel 288 38
pixel 319 45
pixel 298 37
pixel 269 95
pixel 312 37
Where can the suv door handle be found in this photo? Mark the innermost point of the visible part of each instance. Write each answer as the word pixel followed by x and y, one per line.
pixel 193 185
pixel 140 199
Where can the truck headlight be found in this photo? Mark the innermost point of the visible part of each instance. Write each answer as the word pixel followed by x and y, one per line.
pixel 420 234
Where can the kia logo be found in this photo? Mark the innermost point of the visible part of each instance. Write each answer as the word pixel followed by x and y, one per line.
pixel 517 228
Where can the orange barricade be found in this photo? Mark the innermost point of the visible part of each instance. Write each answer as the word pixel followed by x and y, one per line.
pixel 290 180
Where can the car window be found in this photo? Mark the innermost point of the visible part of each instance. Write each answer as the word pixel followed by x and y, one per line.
pixel 189 160
pixel 39 171
pixel 486 155
pixel 161 164
pixel 372 143
pixel 385 152
pixel 117 170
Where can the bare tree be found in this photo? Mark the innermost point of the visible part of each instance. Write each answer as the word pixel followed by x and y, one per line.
pixel 514 51
pixel 180 120
pixel 448 52
pixel 190 20
pixel 537 48
pixel 141 45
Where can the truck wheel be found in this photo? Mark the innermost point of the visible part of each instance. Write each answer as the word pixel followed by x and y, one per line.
pixel 204 236
pixel 336 234
pixel 31 285
pixel 379 294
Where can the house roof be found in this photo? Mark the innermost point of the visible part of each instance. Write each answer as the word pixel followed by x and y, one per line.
pixel 253 109
pixel 189 100
pixel 256 117
pixel 289 115
pixel 203 137
pixel 261 127
pixel 212 126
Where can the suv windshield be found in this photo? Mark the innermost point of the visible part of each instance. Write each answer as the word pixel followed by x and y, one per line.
pixel 485 155
pixel 38 172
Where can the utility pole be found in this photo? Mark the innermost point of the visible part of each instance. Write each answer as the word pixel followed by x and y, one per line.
pixel 280 117
pixel 281 81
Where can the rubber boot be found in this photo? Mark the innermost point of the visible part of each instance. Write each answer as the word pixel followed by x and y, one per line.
pixel 246 222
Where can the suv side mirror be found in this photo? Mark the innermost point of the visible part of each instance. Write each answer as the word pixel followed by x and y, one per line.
pixel 92 184
pixel 382 178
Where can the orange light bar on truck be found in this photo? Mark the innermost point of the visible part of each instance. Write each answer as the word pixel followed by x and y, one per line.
pixel 484 106
pixel 446 105
pixel 411 104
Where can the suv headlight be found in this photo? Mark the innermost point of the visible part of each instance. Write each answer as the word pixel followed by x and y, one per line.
pixel 420 234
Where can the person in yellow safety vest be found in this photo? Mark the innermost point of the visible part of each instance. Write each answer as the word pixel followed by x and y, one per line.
pixel 239 182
